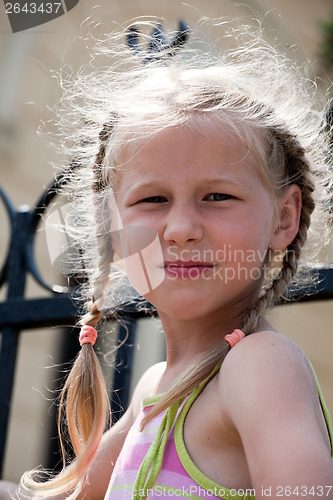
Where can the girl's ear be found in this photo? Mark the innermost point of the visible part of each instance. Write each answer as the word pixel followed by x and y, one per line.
pixel 290 205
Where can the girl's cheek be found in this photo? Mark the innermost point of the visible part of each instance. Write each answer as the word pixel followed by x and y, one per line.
pixel 139 252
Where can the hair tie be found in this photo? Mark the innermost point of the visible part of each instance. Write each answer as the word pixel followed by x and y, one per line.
pixel 234 337
pixel 88 335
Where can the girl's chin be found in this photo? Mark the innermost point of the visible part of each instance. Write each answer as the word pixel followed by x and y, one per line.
pixel 183 306
pixel 180 315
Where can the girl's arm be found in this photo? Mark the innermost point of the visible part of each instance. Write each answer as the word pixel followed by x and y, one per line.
pixel 99 472
pixel 7 490
pixel 101 468
pixel 272 400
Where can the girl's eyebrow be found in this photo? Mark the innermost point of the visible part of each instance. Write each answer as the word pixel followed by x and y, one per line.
pixel 138 186
pixel 226 180
pixel 147 184
pixel 204 180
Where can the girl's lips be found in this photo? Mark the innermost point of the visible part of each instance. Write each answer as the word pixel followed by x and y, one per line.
pixel 187 263
pixel 186 269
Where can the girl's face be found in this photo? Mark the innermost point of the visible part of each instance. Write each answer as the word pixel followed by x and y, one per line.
pixel 213 217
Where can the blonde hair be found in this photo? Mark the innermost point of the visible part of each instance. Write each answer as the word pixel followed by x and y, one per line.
pixel 267 104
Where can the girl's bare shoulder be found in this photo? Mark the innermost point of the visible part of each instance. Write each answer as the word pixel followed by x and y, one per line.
pixel 266 361
pixel 267 347
pixel 269 395
pixel 146 386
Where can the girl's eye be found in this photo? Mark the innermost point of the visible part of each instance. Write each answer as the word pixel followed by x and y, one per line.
pixel 218 197
pixel 154 199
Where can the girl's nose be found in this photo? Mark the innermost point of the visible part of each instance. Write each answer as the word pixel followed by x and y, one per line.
pixel 183 226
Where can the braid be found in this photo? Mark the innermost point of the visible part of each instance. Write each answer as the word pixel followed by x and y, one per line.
pixel 84 402
pixel 296 171
pixel 103 221
pixel 105 253
pixel 289 269
pixel 104 137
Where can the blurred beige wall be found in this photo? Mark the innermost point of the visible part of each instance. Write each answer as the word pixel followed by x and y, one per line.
pixel 27 90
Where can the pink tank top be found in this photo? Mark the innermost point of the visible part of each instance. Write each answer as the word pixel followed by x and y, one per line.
pixel 178 477
pixel 154 463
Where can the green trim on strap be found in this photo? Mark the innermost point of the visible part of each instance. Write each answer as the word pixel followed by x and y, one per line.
pixel 154 456
pixel 151 400
pixel 324 408
pixel 187 462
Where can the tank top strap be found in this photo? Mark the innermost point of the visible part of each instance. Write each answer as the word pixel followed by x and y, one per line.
pixel 325 411
pixel 152 463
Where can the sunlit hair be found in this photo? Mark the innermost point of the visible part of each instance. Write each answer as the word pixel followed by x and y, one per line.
pixel 251 90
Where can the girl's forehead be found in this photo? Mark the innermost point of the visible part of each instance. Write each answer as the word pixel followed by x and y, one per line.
pixel 185 140
pixel 191 152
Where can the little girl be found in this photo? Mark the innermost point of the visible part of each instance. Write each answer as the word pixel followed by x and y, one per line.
pixel 200 187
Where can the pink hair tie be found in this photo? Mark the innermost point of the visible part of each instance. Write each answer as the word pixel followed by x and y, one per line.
pixel 88 335
pixel 234 337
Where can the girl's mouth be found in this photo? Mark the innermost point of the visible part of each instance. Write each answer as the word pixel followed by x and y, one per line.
pixel 180 269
